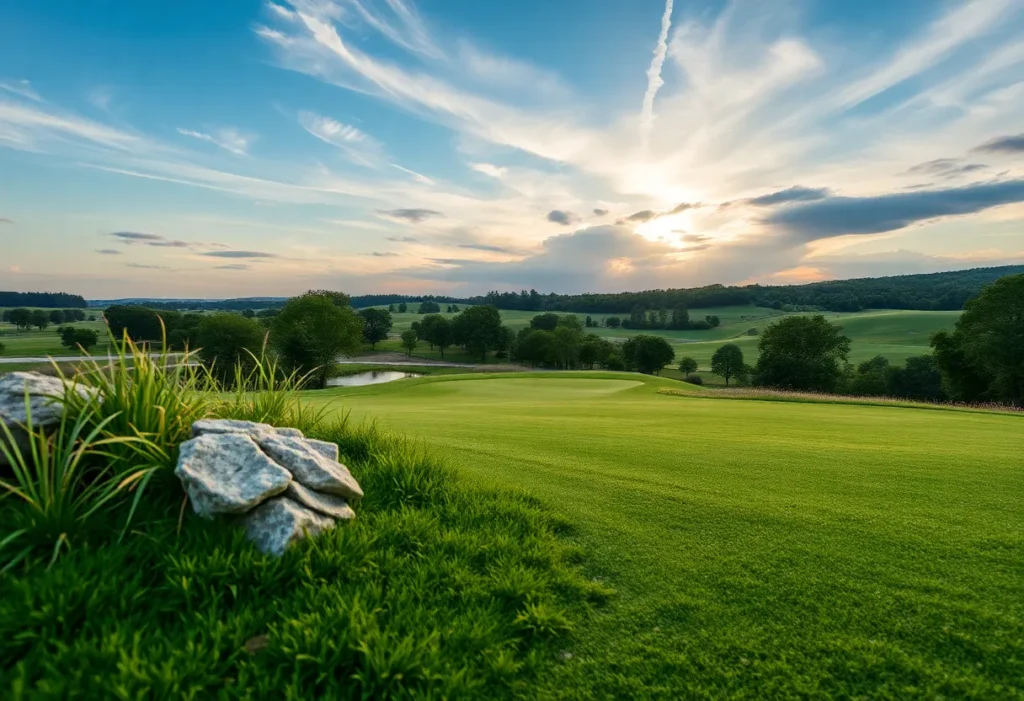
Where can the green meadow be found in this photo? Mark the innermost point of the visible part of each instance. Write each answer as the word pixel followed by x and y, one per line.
pixel 895 334
pixel 36 343
pixel 757 549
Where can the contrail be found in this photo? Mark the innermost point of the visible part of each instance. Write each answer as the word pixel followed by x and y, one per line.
pixel 654 81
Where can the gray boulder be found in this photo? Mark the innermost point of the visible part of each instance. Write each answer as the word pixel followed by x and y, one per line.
pixel 309 466
pixel 250 428
pixel 228 474
pixel 328 450
pixel 326 504
pixel 275 524
pixel 44 405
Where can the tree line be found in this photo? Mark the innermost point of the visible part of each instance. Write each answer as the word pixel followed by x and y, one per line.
pixel 981 360
pixel 933 291
pixel 24 318
pixel 47 300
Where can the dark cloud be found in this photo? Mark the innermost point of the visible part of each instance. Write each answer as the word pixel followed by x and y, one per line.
pixel 146 267
pixel 646 215
pixel 946 168
pixel 233 266
pixel 797 193
pixel 484 247
pixel 600 212
pixel 559 216
pixel 148 239
pixel 378 254
pixel 1003 144
pixel 641 216
pixel 836 216
pixel 402 239
pixel 240 254
pixel 411 215
pixel 108 251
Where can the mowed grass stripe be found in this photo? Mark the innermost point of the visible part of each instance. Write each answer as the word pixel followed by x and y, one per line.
pixel 759 548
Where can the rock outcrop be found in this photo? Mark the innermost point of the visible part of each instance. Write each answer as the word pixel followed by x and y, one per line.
pixel 288 486
pixel 44 405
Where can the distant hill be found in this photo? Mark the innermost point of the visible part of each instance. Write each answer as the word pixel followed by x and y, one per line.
pixel 927 292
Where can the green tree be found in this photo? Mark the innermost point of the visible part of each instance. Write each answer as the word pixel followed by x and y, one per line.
pixel 21 317
pixel 403 308
pixel 57 316
pixel 376 325
pixel 532 346
pixel 442 334
pixel 40 319
pixel 409 341
pixel 918 379
pixel 391 308
pixel 544 322
pixel 249 313
pixel 871 378
pixel 225 340
pixel 727 362
pixel 429 308
pixel 140 323
pixel 613 322
pixel 478 329
pixel 984 356
pixel 74 337
pixel 3 348
pixel 595 351
pixel 802 353
pixel 687 366
pixel 312 331
pixel 647 354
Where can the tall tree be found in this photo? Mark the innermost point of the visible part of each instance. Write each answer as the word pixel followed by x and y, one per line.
pixel 40 319
pixel 984 356
pixel 312 331
pixel 21 317
pixel 802 353
pixel 687 366
pixel 409 341
pixel 647 354
pixel 376 325
pixel 478 329
pixel 226 341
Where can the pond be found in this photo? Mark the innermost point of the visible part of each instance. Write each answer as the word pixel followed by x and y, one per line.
pixel 371 377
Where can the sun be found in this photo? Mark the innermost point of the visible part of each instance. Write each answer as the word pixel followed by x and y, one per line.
pixel 667 229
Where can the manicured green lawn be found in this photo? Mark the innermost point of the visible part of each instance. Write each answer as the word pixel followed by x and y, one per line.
pixel 759 549
pixel 37 343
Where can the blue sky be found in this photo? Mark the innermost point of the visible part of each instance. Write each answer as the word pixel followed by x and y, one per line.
pixel 198 149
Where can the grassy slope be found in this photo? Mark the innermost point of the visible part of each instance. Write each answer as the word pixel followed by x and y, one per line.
pixel 895 334
pixel 760 549
pixel 435 591
pixel 37 343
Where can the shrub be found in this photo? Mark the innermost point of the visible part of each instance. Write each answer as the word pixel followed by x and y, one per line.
pixel 63 479
pixel 694 379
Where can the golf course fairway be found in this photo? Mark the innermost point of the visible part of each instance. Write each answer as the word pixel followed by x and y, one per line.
pixel 757 549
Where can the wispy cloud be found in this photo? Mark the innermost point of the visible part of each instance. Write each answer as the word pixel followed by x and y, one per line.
pixel 792 194
pixel 654 79
pixel 357 145
pixel 22 88
pixel 413 215
pixel 1003 144
pixel 147 239
pixel 5 220
pixel 233 266
pixel 146 267
pixel 240 254
pixel 108 251
pixel 229 139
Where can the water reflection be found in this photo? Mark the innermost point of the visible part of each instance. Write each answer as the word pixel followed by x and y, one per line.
pixel 371 377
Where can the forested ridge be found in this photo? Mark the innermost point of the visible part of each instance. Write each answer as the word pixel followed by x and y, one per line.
pixel 49 300
pixel 925 292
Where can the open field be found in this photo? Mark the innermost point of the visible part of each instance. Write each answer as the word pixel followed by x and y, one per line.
pixel 35 343
pixel 896 335
pixel 759 549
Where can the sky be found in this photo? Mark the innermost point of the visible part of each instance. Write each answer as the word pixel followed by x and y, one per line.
pixel 246 148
